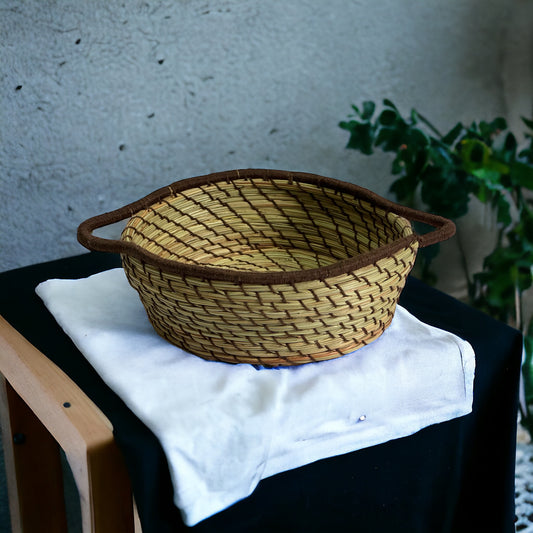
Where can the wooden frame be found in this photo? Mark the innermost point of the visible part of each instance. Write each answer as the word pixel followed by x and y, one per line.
pixel 42 409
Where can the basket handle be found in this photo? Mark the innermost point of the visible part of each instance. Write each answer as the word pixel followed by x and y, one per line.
pixel 444 227
pixel 101 244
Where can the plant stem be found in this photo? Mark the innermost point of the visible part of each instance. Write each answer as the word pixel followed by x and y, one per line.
pixel 463 260
pixel 430 125
pixel 518 308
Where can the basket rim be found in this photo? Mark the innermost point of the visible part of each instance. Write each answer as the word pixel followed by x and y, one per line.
pixel 445 229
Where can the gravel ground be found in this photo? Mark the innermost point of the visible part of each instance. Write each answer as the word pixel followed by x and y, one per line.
pixel 524 483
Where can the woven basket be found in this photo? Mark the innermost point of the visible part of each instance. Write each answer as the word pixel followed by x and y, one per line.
pixel 267 267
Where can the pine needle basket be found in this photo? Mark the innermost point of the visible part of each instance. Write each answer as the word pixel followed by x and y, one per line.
pixel 267 267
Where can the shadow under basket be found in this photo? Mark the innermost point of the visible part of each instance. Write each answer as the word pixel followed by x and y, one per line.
pixel 267 267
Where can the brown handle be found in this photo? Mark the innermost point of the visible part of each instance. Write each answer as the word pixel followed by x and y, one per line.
pixel 100 244
pixel 444 228
pixel 92 242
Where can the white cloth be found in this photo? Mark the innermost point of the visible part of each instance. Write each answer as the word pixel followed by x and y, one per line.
pixel 225 427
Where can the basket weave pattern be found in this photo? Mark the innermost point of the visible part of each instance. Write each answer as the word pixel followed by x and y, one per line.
pixel 271 226
pixel 267 267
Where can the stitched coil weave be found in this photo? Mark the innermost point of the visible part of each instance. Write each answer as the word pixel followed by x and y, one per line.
pixel 272 270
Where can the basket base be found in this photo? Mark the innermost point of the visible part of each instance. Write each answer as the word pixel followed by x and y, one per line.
pixel 293 355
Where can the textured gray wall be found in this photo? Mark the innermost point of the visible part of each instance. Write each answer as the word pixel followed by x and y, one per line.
pixel 104 101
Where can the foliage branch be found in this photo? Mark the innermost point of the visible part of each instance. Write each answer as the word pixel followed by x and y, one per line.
pixel 445 170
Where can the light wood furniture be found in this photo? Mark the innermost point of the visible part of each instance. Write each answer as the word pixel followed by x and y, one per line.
pixel 42 409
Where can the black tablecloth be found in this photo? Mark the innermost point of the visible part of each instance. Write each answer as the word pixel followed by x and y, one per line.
pixel 457 476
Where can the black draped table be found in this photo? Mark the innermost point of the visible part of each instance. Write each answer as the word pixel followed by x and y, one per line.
pixel 453 477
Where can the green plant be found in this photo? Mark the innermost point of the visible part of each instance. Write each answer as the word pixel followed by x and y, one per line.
pixel 446 170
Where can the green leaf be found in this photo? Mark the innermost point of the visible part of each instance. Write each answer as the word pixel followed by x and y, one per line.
pixel 445 192
pixel 419 162
pixel 398 166
pixel 499 123
pixel 510 143
pixel 522 174
pixel 417 138
pixel 477 154
pixel 368 110
pixel 490 177
pixel 474 154
pixel 528 122
pixel 489 129
pixel 387 117
pixel 452 135
pixel 413 152
pixel 388 103
pixel 526 222
pixel 404 188
pixel 497 280
pixel 345 125
pixel 528 345
pixel 482 193
pixel 390 139
pixel 440 156
pixel 384 135
pixel 361 136
pixel 503 209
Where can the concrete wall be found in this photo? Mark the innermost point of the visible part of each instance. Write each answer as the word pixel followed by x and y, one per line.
pixel 104 101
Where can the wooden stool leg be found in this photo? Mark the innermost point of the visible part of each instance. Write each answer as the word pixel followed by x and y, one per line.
pixel 33 468
pixel 103 486
pixel 78 427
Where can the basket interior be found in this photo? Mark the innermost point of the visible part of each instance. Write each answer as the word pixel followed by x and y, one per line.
pixel 263 225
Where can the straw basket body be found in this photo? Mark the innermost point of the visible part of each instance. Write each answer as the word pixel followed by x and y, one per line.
pixel 267 267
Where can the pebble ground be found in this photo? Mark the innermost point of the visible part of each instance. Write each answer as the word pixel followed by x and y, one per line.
pixel 524 483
